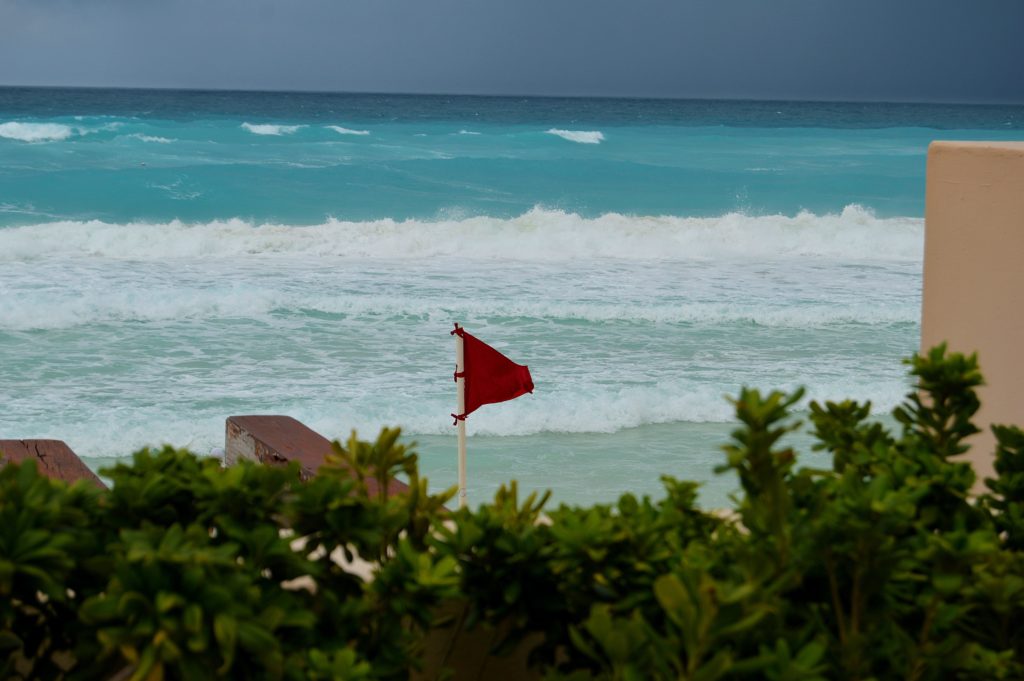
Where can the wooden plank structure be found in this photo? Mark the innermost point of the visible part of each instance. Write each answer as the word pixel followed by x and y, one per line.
pixel 276 440
pixel 53 458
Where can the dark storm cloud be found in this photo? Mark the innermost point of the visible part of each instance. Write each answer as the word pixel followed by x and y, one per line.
pixel 948 50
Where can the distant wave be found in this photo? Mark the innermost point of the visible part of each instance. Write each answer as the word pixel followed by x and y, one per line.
pixel 271 129
pixel 539 235
pixel 35 132
pixel 347 131
pixel 469 132
pixel 580 136
pixel 151 138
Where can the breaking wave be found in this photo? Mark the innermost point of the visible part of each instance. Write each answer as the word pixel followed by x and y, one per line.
pixel 151 138
pixel 540 235
pixel 579 136
pixel 347 131
pixel 35 132
pixel 271 129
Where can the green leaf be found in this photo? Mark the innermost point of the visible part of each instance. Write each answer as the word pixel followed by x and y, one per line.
pixel 225 629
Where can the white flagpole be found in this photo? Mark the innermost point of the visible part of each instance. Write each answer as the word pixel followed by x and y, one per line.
pixel 460 382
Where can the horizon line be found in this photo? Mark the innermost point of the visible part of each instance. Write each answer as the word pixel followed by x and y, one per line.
pixel 376 93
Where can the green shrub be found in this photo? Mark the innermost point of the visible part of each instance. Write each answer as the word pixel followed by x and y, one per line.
pixel 872 561
pixel 186 570
pixel 881 568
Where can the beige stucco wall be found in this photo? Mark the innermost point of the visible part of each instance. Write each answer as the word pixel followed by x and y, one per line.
pixel 974 272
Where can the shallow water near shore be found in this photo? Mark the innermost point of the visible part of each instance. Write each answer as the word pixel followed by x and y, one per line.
pixel 582 468
pixel 170 259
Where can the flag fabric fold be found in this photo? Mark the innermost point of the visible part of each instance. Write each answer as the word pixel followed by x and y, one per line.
pixel 490 376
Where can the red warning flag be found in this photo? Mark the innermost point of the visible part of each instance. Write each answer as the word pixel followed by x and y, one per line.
pixel 490 376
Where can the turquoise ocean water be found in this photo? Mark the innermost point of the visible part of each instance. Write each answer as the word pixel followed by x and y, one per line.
pixel 170 258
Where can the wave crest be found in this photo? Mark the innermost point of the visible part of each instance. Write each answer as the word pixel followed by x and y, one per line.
pixel 347 131
pixel 35 132
pixel 579 136
pixel 271 129
pixel 151 138
pixel 539 235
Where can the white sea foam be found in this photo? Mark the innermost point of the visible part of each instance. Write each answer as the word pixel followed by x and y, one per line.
pixel 556 409
pixel 35 132
pixel 139 303
pixel 151 138
pixel 347 131
pixel 54 310
pixel 580 136
pixel 539 235
pixel 551 409
pixel 469 132
pixel 271 129
pixel 567 409
pixel 598 409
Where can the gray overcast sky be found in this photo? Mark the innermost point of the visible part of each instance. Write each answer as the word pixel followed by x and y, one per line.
pixel 903 50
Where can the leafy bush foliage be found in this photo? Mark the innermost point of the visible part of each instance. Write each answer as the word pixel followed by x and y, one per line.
pixel 877 560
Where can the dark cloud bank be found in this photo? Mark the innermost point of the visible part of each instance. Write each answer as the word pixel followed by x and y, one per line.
pixel 896 50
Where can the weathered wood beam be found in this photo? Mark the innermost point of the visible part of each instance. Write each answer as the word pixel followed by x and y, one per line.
pixel 280 439
pixel 53 458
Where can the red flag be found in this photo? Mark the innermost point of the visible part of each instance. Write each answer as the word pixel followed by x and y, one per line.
pixel 490 376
